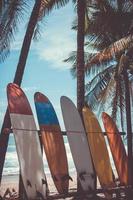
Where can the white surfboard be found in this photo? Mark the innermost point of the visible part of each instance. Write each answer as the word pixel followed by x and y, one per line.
pixel 78 144
pixel 27 143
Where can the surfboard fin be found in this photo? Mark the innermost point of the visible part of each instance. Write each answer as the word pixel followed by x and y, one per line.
pixel 70 178
pixel 81 175
pixel 29 183
pixel 63 178
pixel 66 177
pixel 44 182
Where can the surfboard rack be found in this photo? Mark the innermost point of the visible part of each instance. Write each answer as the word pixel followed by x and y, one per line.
pixel 118 192
pixel 63 132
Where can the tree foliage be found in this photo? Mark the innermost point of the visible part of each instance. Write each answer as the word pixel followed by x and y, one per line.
pixel 108 37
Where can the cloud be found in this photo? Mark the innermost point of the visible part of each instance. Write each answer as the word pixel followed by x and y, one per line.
pixel 57 40
pixel 55 49
pixel 54 46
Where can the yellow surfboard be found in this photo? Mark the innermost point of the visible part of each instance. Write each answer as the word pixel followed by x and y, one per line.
pixel 98 149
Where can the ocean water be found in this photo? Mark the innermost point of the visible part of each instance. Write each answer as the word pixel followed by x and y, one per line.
pixel 11 166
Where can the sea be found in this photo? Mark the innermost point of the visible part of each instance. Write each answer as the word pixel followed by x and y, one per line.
pixel 11 166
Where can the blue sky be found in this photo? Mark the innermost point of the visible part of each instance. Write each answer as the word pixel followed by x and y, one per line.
pixel 45 70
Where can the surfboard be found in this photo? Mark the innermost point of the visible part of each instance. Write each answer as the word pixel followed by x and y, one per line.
pixel 27 143
pixel 98 149
pixel 53 142
pixel 78 145
pixel 117 148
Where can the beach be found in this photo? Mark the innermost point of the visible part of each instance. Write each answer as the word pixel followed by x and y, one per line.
pixel 11 169
pixel 12 182
pixel 10 177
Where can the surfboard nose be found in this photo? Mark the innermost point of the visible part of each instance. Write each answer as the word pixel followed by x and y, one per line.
pixel 39 97
pixel 104 116
pixel 14 90
pixel 16 98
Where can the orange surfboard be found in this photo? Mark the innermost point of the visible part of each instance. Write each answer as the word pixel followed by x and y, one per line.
pixel 117 148
pixel 99 150
pixel 53 142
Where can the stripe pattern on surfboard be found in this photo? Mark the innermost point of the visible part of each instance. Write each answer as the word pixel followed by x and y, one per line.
pixel 98 149
pixel 78 144
pixel 27 143
pixel 117 148
pixel 53 142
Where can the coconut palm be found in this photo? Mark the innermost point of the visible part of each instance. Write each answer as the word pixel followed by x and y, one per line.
pixel 121 53
pixel 24 53
pixel 109 55
pixel 104 30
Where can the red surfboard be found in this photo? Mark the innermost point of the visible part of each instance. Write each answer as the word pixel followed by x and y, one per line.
pixel 117 148
pixel 27 143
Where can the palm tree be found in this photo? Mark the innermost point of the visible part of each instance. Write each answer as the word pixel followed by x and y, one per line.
pixel 19 74
pixel 120 71
pixel 81 5
pixel 105 29
pixel 41 7
pixel 105 37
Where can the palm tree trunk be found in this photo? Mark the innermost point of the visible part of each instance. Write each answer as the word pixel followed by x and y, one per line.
pixel 80 60
pixel 129 127
pixel 80 54
pixel 18 79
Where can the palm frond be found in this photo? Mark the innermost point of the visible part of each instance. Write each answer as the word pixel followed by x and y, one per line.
pixel 48 5
pixel 45 8
pixel 101 79
pixel 37 33
pixel 1 6
pixel 110 22
pixel 98 93
pixel 112 51
pixel 73 60
pixel 127 6
pixel 9 21
pixel 122 106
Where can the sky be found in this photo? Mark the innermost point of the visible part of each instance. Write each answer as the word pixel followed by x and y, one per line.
pixel 45 70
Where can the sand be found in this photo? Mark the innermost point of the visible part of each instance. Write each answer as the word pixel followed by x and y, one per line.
pixel 12 182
